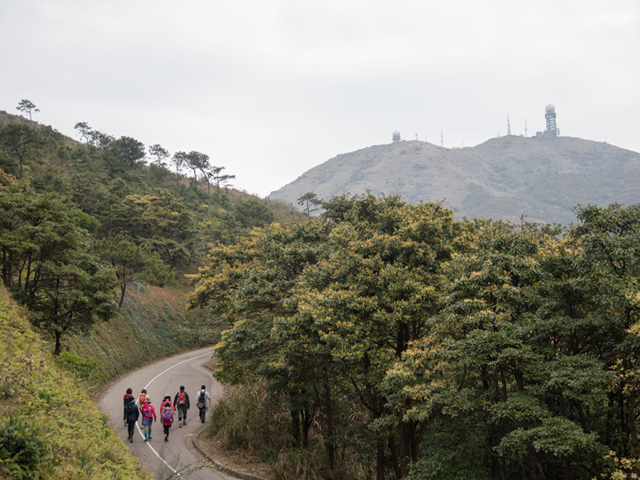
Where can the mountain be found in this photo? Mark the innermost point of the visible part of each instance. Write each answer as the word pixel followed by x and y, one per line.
pixel 502 178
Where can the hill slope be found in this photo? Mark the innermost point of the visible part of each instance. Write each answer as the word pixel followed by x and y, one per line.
pixel 49 427
pixel 501 178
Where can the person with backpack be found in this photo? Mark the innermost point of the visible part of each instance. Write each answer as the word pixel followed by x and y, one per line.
pixel 166 416
pixel 167 398
pixel 131 414
pixel 142 398
pixel 181 400
pixel 201 402
pixel 128 395
pixel 148 417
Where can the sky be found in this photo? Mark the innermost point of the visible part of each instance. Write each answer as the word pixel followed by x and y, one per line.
pixel 269 89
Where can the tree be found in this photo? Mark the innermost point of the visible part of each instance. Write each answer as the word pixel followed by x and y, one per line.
pixel 22 141
pixel 127 259
pixel 100 140
pixel 27 106
pixel 309 200
pixel 178 160
pixel 84 130
pixel 128 150
pixel 220 179
pixel 197 161
pixel 159 153
pixel 71 295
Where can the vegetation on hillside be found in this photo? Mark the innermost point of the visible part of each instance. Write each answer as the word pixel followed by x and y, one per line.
pixel 502 178
pixel 82 221
pixel 388 340
pixel 49 428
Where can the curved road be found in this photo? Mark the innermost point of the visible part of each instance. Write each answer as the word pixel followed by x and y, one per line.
pixel 175 459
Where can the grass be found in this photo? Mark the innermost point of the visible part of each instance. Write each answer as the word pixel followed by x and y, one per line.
pixel 44 410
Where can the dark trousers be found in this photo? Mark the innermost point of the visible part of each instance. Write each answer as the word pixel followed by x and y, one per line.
pixel 130 425
pixel 166 429
pixel 182 412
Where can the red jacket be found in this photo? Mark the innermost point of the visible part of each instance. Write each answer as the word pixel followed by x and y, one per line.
pixel 148 411
pixel 173 409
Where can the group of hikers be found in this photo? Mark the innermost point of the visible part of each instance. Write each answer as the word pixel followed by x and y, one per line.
pixel 134 409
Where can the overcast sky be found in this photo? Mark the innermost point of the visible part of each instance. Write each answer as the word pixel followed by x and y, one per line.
pixel 269 89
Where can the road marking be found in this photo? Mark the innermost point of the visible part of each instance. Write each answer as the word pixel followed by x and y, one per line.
pixel 138 426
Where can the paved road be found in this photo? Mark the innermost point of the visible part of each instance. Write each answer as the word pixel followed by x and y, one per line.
pixel 175 459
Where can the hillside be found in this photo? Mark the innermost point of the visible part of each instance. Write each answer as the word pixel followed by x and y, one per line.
pixel 502 178
pixel 50 428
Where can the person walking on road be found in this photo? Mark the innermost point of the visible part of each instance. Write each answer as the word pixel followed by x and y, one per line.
pixel 202 399
pixel 142 398
pixel 167 398
pixel 166 416
pixel 128 395
pixel 131 414
pixel 148 417
pixel 181 400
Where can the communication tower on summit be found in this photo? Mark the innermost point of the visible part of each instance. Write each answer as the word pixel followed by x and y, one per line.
pixel 508 126
pixel 396 136
pixel 550 115
pixel 552 130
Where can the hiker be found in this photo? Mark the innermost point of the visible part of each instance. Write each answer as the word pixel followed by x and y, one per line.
pixel 201 401
pixel 167 398
pixel 181 400
pixel 131 414
pixel 142 398
pixel 128 395
pixel 148 417
pixel 166 416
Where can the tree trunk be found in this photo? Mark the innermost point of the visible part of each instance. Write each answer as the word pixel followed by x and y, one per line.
pixel 295 428
pixel 58 349
pixel 405 448
pixel 380 459
pixel 330 447
pixel 123 291
pixel 306 424
pixel 394 458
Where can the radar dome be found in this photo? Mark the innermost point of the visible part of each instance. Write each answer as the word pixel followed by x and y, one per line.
pixel 396 136
pixel 550 108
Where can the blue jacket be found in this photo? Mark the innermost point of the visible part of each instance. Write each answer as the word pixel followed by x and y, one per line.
pixel 131 411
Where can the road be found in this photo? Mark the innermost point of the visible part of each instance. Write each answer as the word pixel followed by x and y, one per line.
pixel 175 459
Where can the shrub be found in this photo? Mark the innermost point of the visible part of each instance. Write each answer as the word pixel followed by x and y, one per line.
pixel 89 369
pixel 23 451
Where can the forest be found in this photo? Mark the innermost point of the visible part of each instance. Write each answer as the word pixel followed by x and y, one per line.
pixel 387 340
pixel 80 221
pixel 379 340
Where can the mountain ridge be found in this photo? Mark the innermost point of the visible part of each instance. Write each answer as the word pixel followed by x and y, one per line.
pixel 501 178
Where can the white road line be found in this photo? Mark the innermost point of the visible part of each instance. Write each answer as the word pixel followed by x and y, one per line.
pixel 146 386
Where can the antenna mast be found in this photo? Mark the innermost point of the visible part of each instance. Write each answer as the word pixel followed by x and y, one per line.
pixel 441 139
pixel 508 126
pixel 526 133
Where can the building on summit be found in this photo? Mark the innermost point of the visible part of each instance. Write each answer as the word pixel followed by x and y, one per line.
pixel 396 136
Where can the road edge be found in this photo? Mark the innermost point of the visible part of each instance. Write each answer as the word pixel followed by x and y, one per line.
pixel 220 466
